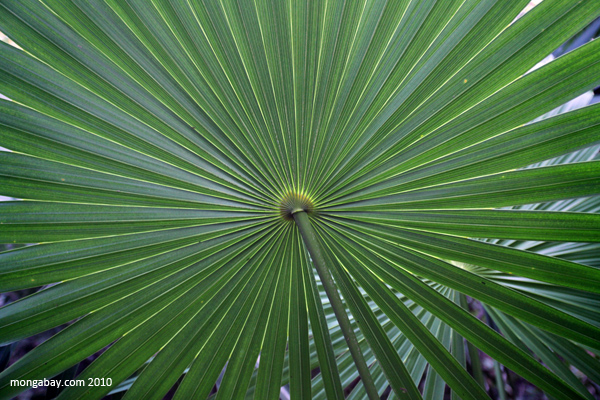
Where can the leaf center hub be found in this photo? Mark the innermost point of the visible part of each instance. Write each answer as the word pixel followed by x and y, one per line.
pixel 294 202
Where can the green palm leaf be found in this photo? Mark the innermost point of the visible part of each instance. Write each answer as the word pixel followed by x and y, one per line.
pixel 289 197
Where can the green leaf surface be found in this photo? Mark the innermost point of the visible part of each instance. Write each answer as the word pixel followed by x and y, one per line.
pixel 161 155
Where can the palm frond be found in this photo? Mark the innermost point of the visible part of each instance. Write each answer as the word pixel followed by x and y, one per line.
pixel 293 194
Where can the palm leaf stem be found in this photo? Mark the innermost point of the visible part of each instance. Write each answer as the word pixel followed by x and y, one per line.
pixel 473 351
pixel 499 381
pixel 314 248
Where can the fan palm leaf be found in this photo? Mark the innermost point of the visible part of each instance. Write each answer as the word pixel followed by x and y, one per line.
pixel 266 188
